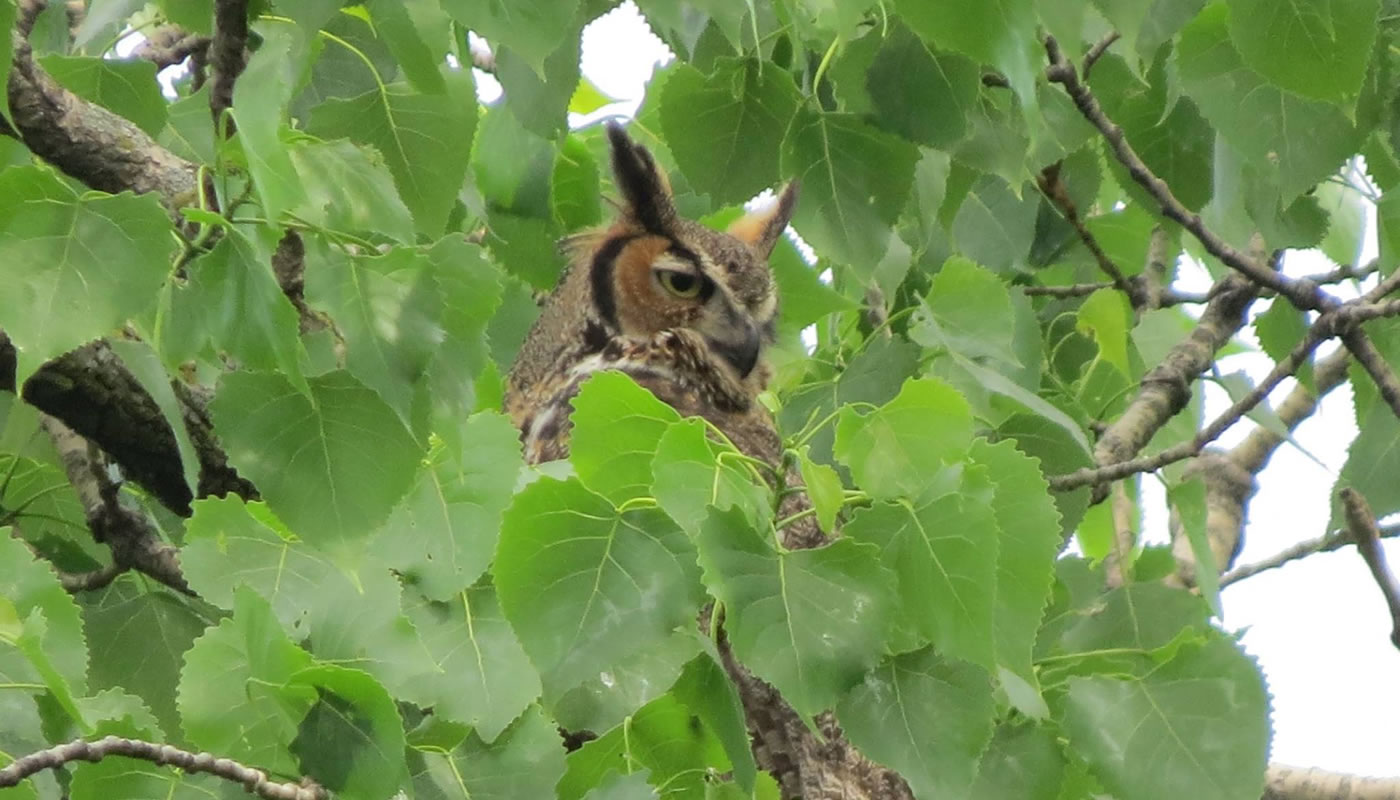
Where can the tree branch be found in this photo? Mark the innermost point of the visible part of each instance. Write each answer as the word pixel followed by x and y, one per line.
pixel 1361 524
pixel 1332 540
pixel 253 780
pixel 1301 293
pixel 130 535
pixel 1165 390
pixel 90 143
pixel 226 55
pixel 1297 783
pixel 1114 470
pixel 169 45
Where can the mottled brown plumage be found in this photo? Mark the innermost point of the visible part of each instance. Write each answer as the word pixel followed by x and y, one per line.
pixel 688 313
pixel 685 310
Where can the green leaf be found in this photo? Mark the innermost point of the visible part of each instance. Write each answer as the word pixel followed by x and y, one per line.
pixel 617 425
pixel 968 309
pixel 50 515
pixel 805 298
pixel 387 308
pixel 584 584
pixel 943 548
pixel 331 464
pixel 829 607
pixel 352 739
pixel 425 140
pixel 1126 624
pixel 661 743
pixel 706 690
pixel 488 680
pixel 994 227
pixel 1346 211
pixel 417 33
pixel 76 265
pixel 358 621
pixel 1188 500
pixel 234 697
pixel 1106 316
pixel 1029 525
pixel 230 543
pixel 104 18
pixel 824 490
pixel 126 88
pixel 921 94
pixel 443 534
pixel 588 98
pixel 855 180
pixel 1319 50
pixel 725 128
pixel 115 711
pixel 893 451
pixel 540 100
pixel 1000 33
pixel 193 15
pixel 151 671
pixel 259 104
pixel 231 302
pixel 347 188
pixel 693 472
pixel 1022 761
pixel 526 761
pixel 1196 726
pixel 1371 463
pixel 1166 130
pixel 532 28
pixel 1298 140
pixel 28 585
pixel 513 167
pixel 615 694
pixel 636 786
pixel 575 185
pixel 472 290
pixel 925 716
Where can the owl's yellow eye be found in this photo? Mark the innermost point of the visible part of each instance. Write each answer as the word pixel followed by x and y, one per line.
pixel 680 284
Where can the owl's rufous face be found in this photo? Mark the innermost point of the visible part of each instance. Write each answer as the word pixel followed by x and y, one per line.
pixel 654 271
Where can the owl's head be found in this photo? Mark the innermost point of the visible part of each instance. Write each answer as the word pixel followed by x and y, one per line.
pixel 653 270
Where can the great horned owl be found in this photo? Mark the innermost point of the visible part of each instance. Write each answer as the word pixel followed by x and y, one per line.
pixel 685 310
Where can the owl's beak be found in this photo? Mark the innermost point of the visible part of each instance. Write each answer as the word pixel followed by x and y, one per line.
pixel 742 351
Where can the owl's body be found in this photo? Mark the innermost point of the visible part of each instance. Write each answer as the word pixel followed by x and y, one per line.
pixel 686 311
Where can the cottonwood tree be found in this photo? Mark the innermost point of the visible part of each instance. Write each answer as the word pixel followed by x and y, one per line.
pixel 268 529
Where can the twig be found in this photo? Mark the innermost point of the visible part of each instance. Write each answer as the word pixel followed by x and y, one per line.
pixel 227 57
pixel 1096 52
pixel 169 45
pixel 1054 189
pixel 1166 389
pixel 129 534
pixel 1366 354
pixel 1303 294
pixel 1169 297
pixel 1122 469
pixel 1361 523
pixel 1332 540
pixel 253 780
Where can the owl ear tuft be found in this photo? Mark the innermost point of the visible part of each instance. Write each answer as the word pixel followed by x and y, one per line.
pixel 762 229
pixel 645 189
